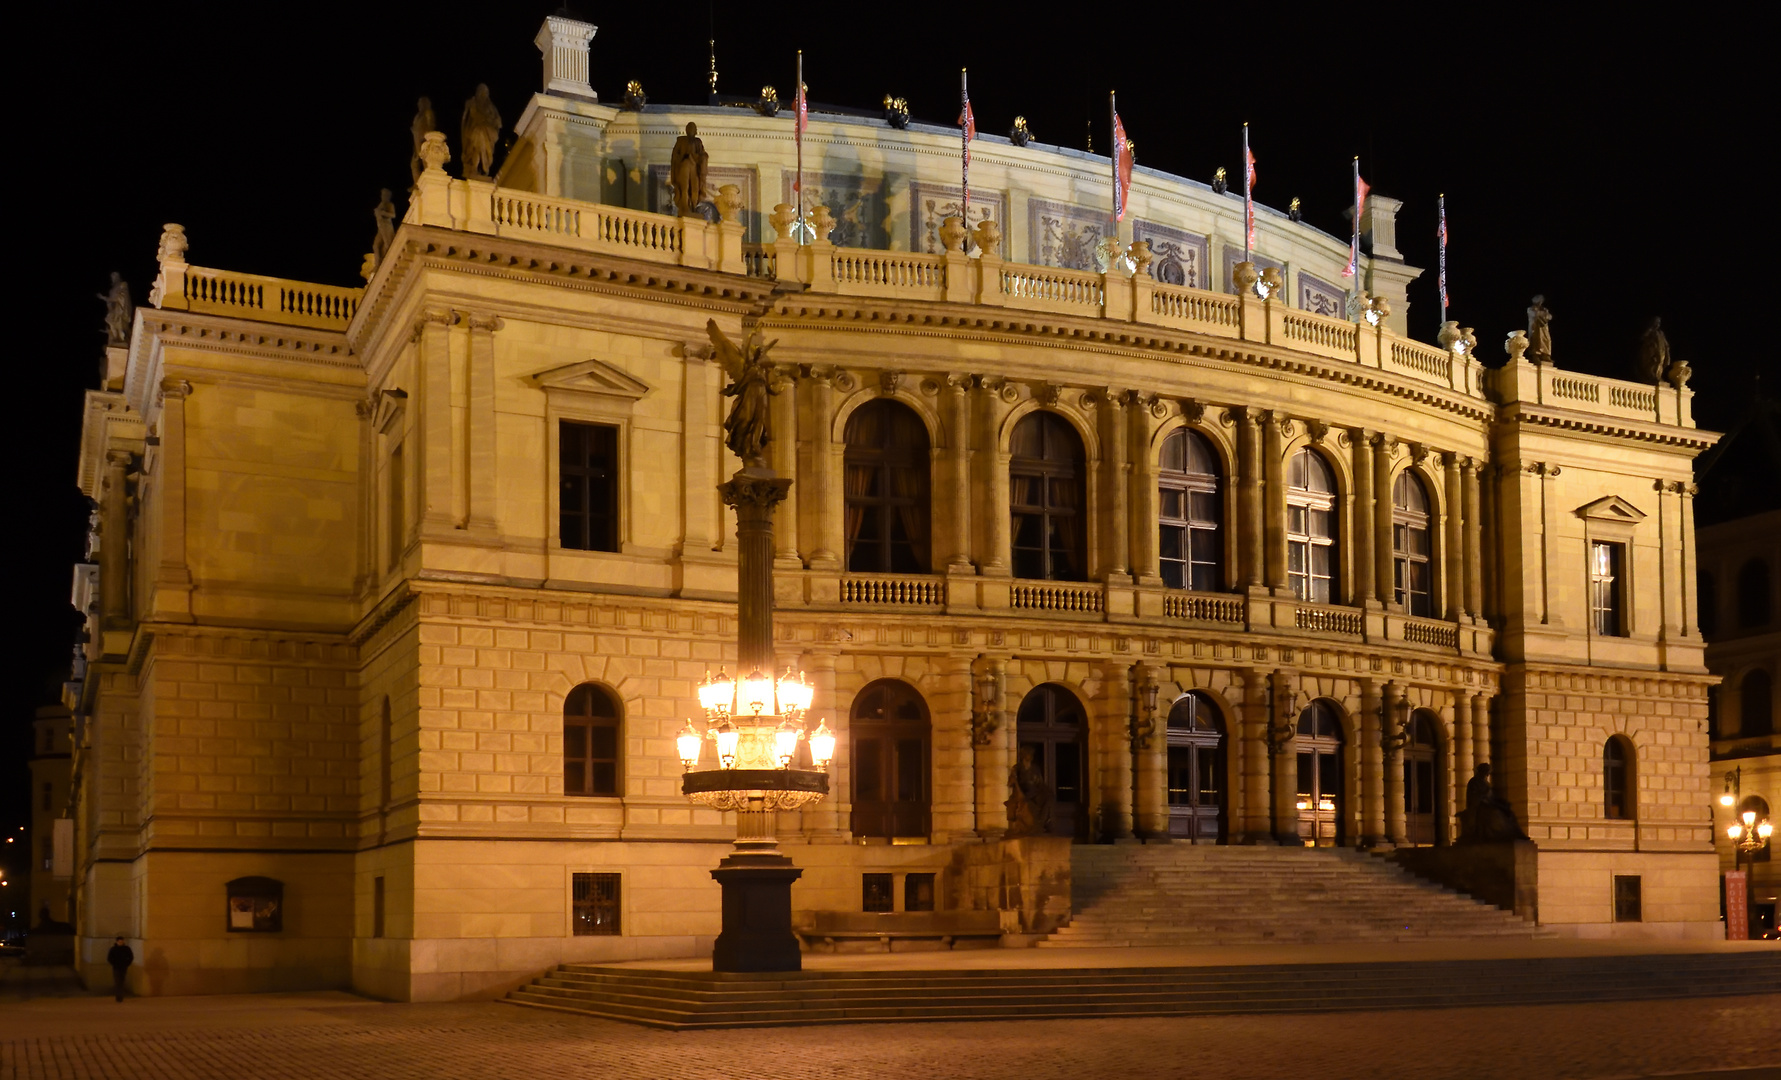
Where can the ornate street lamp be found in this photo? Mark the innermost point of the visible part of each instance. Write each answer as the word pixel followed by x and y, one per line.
pixel 1748 832
pixel 746 758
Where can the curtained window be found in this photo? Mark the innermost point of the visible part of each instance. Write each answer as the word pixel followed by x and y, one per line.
pixel 1190 511
pixel 1045 488
pixel 886 490
pixel 1410 546
pixel 1311 528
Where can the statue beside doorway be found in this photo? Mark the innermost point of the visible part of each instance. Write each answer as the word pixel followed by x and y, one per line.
pixel 1488 818
pixel 1029 798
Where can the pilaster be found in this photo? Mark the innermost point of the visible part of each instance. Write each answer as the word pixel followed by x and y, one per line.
pixel 1364 590
pixel 1274 474
pixel 173 578
pixel 1372 766
pixel 481 520
pixel 991 741
pixel 1113 745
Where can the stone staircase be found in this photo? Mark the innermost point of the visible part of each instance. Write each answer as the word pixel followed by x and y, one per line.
pixel 1184 895
pixel 689 1000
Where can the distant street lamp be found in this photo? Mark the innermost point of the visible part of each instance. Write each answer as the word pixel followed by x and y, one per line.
pixel 1748 832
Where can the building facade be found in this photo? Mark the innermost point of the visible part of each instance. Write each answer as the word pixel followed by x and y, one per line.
pixel 399 595
pixel 50 868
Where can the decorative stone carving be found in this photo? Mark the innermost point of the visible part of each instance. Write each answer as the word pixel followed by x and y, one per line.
pixel 896 112
pixel 1418 452
pixel 1516 345
pixel 888 381
pixel 172 248
pixel 635 98
pixel 434 152
pixel 119 311
pixel 1273 283
pixel 1244 277
pixel 822 222
pixel 385 215
pixel 423 122
pixel 768 105
pixel 953 233
pixel 1678 374
pixel 1141 256
pixel 1046 393
pixel 783 217
pixel 1220 184
pixel 985 718
pixel 1317 430
pixel 844 381
pixel 1193 410
pixel 1654 353
pixel 479 129
pixel 748 429
pixel 686 171
pixel 988 236
pixel 729 204
pixel 1539 331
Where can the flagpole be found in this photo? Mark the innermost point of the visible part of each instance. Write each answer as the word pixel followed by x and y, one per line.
pixel 1113 154
pixel 1354 241
pixel 1441 201
pixel 1248 197
pixel 798 107
pixel 965 145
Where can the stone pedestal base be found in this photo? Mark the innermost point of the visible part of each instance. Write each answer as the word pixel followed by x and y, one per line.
pixel 757 928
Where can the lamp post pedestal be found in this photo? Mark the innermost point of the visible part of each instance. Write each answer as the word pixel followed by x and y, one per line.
pixel 757 908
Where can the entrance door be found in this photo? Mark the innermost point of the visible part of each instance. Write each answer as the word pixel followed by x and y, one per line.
pixel 1196 771
pixel 1051 724
pixel 1319 749
pixel 890 761
pixel 1420 776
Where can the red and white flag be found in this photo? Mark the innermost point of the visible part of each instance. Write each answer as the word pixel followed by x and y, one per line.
pixel 1248 196
pixel 800 121
pixel 1360 204
pixel 968 124
pixel 1442 232
pixel 1122 169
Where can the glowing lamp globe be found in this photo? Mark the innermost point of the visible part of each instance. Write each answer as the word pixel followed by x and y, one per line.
pixel 822 746
pixel 688 744
pixel 755 694
pixel 727 737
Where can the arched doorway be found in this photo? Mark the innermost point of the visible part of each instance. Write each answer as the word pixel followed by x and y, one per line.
pixel 1196 770
pixel 1319 750
pixel 1422 776
pixel 1052 725
pixel 890 761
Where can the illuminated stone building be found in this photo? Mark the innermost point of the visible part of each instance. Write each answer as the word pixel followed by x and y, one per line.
pixel 402 592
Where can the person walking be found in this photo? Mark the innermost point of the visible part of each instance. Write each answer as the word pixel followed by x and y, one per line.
pixel 120 958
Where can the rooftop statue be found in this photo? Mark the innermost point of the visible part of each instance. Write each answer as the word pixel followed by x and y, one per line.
pixel 423 122
pixel 1539 332
pixel 119 311
pixel 1654 353
pixel 386 226
pixel 748 429
pixel 686 171
pixel 478 132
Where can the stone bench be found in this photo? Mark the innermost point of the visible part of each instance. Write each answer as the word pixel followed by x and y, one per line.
pixel 898 931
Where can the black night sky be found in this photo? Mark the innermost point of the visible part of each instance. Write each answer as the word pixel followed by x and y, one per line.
pixel 1609 161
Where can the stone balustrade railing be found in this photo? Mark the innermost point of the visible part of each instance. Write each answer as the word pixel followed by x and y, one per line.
pixel 893 590
pixel 182 287
pixel 1543 384
pixel 1059 596
pixel 1204 607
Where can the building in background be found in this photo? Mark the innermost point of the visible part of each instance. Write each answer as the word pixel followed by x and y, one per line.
pixel 401 593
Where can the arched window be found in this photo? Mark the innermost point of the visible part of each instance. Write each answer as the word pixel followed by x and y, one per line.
pixel 1196 769
pixel 1052 728
pixel 1753 594
pixel 1756 704
pixel 1617 778
pixel 1045 488
pixel 1311 527
pixel 1706 599
pixel 887 490
pixel 890 731
pixel 1319 751
pixel 1190 512
pixel 591 742
pixel 1410 547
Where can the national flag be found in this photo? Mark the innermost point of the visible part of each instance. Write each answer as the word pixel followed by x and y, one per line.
pixel 1248 194
pixel 1360 204
pixel 1122 169
pixel 968 124
pixel 800 121
pixel 1442 232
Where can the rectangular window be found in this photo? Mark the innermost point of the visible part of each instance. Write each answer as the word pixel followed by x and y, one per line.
pixel 398 538
pixel 876 893
pixel 918 892
pixel 1605 604
pixel 595 907
pixel 1628 905
pixel 587 486
pixel 377 907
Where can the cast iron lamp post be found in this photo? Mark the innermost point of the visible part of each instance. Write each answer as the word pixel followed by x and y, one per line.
pixel 1748 832
pixel 746 759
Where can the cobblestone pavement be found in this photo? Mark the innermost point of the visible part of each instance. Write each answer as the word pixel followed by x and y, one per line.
pixel 340 1037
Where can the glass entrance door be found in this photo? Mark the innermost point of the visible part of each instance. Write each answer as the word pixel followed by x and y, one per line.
pixel 1420 780
pixel 1051 724
pixel 1196 771
pixel 1319 750
pixel 890 762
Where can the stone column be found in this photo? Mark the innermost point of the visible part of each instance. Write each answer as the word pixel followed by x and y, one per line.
pixel 1283 720
pixel 826 820
pixel 1372 767
pixel 1481 731
pixel 784 450
pixel 952 547
pixel 1113 743
pixel 481 518
pixel 1249 500
pixel 1145 566
pixel 1462 754
pixel 991 743
pixel 1394 766
pixel 1152 752
pixel 114 542
pixel 1274 476
pixel 954 767
pixel 1447 793
pixel 173 578
pixel 437 468
pixel 828 542
pixel 1364 591
pixel 1452 554
pixel 1253 714
pixel 1382 562
pixel 1115 545
pixel 994 557
pixel 1473 561
pixel 752 493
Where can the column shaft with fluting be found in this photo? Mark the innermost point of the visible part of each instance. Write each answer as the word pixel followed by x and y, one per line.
pixel 753 492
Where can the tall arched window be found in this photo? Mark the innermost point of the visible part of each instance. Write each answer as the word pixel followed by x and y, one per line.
pixel 1756 704
pixel 591 742
pixel 1617 778
pixel 1052 728
pixel 890 761
pixel 1196 769
pixel 1311 527
pixel 886 490
pixel 1190 511
pixel 1410 547
pixel 1753 594
pixel 1045 490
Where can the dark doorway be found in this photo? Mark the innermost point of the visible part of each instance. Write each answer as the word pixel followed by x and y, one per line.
pixel 1051 723
pixel 1196 770
pixel 890 761
pixel 1319 750
pixel 1422 780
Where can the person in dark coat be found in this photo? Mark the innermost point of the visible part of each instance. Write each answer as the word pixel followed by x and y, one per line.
pixel 120 958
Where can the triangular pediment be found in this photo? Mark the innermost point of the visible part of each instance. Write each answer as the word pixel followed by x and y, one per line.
pixel 592 377
pixel 388 409
pixel 1611 508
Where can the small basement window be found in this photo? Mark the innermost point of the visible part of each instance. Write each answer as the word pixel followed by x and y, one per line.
pixel 1628 904
pixel 595 904
pixel 918 892
pixel 876 893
